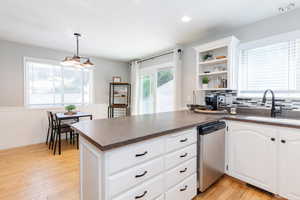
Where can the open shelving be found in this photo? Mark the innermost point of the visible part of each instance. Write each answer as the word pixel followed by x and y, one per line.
pixel 219 68
pixel 215 89
pixel 213 73
pixel 119 99
pixel 214 61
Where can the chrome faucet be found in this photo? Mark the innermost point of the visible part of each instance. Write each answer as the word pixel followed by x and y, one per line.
pixel 273 111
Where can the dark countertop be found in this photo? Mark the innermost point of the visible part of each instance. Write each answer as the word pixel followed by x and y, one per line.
pixel 112 133
pixel 107 134
pixel 283 122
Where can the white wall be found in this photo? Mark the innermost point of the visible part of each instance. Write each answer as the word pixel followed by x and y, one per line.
pixel 265 28
pixel 23 126
pixel 12 71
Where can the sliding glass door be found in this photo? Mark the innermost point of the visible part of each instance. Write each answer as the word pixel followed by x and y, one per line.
pixel 157 90
pixel 165 90
pixel 146 102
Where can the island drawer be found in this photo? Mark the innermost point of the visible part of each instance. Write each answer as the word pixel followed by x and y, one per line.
pixel 150 190
pixel 185 190
pixel 180 156
pixel 134 154
pixel 176 175
pixel 124 180
pixel 181 139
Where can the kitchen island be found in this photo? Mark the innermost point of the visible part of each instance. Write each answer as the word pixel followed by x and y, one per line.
pixel 140 157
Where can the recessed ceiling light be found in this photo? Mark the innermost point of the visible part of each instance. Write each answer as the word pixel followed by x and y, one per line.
pixel 287 8
pixel 186 19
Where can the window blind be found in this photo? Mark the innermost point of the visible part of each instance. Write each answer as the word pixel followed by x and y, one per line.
pixel 274 66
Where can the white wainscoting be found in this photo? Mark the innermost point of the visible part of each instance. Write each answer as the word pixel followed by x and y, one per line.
pixel 21 126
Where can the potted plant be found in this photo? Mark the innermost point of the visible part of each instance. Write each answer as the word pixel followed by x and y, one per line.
pixel 205 81
pixel 207 56
pixel 70 110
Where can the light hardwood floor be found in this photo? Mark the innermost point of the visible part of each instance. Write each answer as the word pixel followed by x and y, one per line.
pixel 33 173
pixel 229 188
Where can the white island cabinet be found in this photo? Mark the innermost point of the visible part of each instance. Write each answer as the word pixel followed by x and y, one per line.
pixel 265 156
pixel 163 168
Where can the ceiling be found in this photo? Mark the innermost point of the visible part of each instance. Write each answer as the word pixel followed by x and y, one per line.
pixel 124 29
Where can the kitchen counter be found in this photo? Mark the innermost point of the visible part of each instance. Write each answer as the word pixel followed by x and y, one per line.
pixel 107 134
pixel 283 122
pixel 128 158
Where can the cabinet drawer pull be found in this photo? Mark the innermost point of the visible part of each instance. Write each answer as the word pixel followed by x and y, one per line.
pixel 142 154
pixel 184 155
pixel 182 171
pixel 183 189
pixel 273 139
pixel 283 141
pixel 141 175
pixel 184 140
pixel 141 196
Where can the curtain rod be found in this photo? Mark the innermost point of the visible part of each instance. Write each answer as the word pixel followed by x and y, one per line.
pixel 163 54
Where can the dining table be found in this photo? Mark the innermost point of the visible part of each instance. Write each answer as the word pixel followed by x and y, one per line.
pixel 62 116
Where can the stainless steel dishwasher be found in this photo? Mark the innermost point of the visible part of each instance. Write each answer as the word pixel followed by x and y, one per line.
pixel 211 153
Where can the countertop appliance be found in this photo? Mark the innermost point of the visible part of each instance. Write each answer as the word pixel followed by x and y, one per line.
pixel 211 153
pixel 212 101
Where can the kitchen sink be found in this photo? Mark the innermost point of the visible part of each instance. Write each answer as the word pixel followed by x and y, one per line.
pixel 274 120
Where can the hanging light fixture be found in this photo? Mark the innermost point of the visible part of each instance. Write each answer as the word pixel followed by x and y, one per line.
pixel 77 60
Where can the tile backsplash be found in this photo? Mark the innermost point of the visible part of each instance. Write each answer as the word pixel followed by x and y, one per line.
pixel 230 99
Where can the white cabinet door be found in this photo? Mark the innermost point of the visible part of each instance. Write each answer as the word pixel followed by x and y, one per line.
pixel 125 157
pixel 180 156
pixel 186 190
pixel 124 180
pixel 181 139
pixel 252 154
pixel 149 190
pixel 289 163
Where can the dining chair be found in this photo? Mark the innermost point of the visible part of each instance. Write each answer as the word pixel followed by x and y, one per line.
pixel 53 129
pixel 62 127
pixel 49 126
pixel 75 139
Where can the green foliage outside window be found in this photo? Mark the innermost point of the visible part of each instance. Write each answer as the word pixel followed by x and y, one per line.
pixel 146 87
pixel 164 77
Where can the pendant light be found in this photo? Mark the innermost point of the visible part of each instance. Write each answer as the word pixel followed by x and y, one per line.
pixel 77 60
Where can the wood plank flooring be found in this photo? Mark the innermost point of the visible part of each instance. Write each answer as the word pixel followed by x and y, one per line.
pixel 229 188
pixel 33 173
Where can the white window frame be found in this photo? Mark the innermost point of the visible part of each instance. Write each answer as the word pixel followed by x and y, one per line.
pixel 261 43
pixel 152 70
pixel 52 62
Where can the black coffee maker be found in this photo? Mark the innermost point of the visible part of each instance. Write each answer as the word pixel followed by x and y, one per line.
pixel 212 101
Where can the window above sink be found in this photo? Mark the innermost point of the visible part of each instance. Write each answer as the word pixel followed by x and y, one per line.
pixel 271 63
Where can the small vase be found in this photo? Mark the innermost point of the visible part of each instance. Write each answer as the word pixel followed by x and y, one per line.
pixel 70 113
pixel 204 86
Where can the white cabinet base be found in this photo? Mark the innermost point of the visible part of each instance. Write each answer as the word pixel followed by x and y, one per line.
pixel 265 156
pixel 289 165
pixel 91 166
pixel 140 171
pixel 253 154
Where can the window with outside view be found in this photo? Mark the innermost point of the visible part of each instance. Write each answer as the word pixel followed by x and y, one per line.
pixel 165 90
pixel 49 83
pixel 157 91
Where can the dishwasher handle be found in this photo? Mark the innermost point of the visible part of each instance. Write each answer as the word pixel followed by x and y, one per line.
pixel 211 127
